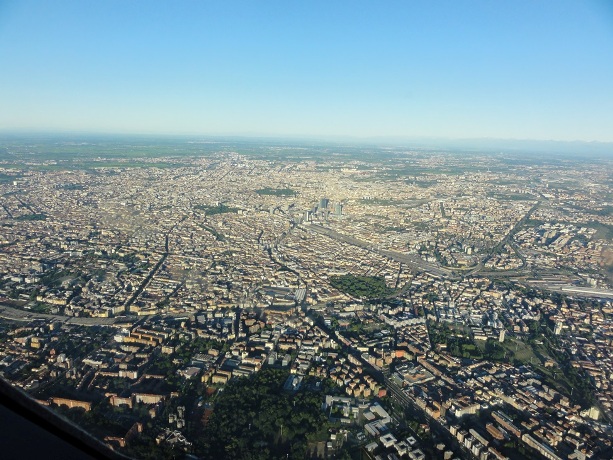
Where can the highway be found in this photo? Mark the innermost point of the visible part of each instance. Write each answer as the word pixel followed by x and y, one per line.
pixel 16 314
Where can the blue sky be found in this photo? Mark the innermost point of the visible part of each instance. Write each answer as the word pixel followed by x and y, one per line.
pixel 405 69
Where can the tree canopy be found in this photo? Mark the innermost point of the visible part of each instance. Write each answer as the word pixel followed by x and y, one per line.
pixel 370 287
pixel 254 418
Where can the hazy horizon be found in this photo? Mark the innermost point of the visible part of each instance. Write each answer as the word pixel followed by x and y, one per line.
pixel 579 149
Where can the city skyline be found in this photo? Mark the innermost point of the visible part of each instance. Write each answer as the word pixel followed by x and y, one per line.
pixel 403 71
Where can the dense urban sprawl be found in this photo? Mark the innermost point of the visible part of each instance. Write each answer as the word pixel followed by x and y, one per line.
pixel 441 305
